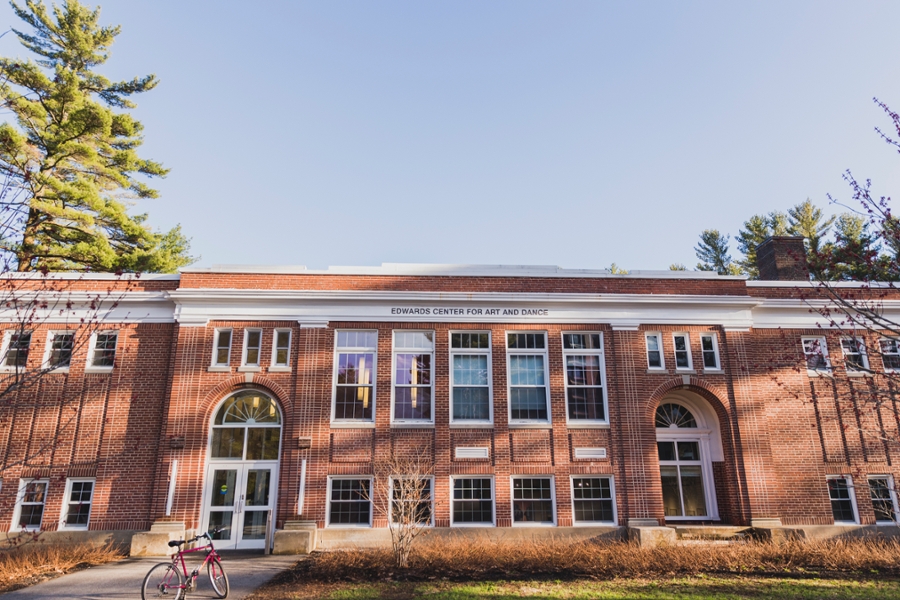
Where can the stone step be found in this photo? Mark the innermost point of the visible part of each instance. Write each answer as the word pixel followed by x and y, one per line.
pixel 711 532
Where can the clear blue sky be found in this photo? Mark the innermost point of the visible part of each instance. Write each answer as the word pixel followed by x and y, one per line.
pixel 568 133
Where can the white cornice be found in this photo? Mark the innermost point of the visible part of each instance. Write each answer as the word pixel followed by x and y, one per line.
pixel 793 313
pixel 94 306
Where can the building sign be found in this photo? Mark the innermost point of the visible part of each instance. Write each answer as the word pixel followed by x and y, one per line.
pixel 442 311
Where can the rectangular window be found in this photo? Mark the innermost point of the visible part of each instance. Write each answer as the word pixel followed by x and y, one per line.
pixel 816 354
pixel 281 351
pixel 532 500
pixel 252 344
pixel 843 503
pixel 77 505
pixel 473 501
pixel 17 345
pixel 470 376
pixel 222 348
pixel 350 502
pixel 593 500
pixel 413 360
pixel 884 498
pixel 412 500
pixel 654 351
pixel 890 354
pixel 30 506
pixel 527 364
pixel 710 347
pixel 103 349
pixel 583 355
pixel 59 350
pixel 682 351
pixel 854 351
pixel 354 379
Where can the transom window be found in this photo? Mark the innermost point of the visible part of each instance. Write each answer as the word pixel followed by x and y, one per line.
pixel 354 386
pixel 470 380
pixel 413 359
pixel 247 427
pixel 527 364
pixel 674 415
pixel 583 354
pixel 592 499
pixel 18 344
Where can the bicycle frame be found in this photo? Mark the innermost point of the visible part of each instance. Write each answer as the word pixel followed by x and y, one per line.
pixel 189 578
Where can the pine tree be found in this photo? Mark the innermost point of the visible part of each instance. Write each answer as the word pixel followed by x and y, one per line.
pixel 73 156
pixel 713 253
pixel 808 221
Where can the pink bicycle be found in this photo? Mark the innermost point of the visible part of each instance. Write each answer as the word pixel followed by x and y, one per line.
pixel 166 580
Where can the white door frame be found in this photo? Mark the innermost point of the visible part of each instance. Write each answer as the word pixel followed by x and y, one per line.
pixel 242 467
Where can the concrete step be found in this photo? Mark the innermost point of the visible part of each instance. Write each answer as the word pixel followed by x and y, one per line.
pixel 711 532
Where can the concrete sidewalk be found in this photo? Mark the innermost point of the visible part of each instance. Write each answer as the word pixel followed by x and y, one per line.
pixel 246 572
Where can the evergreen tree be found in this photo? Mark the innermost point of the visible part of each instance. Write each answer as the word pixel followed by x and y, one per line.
pixel 808 221
pixel 713 253
pixel 73 156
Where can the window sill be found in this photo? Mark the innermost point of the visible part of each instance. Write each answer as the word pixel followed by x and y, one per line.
pixel 542 425
pixel 106 370
pixel 859 374
pixel 475 425
pixel 219 369
pixel 352 425
pixel 657 372
pixel 412 425
pixel 56 369
pixel 532 524
pixel 587 425
pixel 820 373
pixel 713 372
pixel 685 372
pixel 279 369
pixel 249 369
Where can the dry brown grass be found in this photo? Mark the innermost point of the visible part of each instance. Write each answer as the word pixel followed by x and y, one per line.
pixel 38 561
pixel 457 560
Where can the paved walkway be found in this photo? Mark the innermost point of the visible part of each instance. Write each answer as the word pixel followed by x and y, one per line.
pixel 123 579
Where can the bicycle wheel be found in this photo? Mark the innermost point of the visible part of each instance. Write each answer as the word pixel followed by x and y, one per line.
pixel 217 577
pixel 163 581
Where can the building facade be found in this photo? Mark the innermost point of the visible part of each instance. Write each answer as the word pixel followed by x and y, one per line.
pixel 251 398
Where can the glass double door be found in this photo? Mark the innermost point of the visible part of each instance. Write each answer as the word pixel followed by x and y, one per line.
pixel 682 468
pixel 239 500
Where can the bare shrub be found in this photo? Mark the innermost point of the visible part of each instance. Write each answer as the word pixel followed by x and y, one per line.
pixel 33 563
pixel 467 559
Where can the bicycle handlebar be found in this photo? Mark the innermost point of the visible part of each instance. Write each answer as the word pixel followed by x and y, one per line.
pixel 176 543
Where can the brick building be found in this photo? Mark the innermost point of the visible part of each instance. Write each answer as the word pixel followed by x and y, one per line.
pixel 544 397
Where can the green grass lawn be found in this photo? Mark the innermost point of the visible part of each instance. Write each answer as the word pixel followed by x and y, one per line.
pixel 684 588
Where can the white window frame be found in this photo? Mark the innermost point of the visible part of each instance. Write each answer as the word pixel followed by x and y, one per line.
pixel 246 348
pixel 529 352
pixel 7 341
pixel 215 349
pixel 612 491
pixel 332 478
pixel 90 367
pixel 892 490
pixel 338 350
pixel 20 498
pixel 601 354
pixel 493 522
pixel 823 350
pixel 48 350
pixel 276 366
pixel 896 353
pixel 66 502
pixel 662 355
pixel 430 478
pixel 687 344
pixel 849 480
pixel 715 350
pixel 490 375
pixel 512 501
pixel 395 350
pixel 863 355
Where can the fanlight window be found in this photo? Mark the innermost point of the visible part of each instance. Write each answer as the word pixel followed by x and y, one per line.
pixel 674 415
pixel 247 427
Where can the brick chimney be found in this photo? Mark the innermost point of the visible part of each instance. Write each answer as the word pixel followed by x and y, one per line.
pixel 782 258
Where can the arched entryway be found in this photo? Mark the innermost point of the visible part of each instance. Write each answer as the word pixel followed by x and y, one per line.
pixel 688 441
pixel 242 471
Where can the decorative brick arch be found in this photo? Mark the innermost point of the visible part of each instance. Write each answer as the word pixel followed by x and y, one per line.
pixel 708 392
pixel 239 382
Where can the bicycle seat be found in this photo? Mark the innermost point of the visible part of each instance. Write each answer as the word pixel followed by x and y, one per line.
pixel 175 543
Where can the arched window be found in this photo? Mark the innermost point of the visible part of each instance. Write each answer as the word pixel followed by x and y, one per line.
pixel 674 415
pixel 247 427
